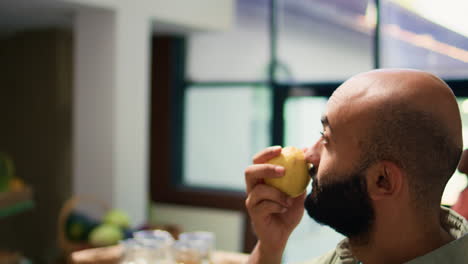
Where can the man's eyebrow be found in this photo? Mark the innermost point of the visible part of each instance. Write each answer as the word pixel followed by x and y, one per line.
pixel 325 121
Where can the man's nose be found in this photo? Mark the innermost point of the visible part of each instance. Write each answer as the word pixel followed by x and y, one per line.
pixel 312 154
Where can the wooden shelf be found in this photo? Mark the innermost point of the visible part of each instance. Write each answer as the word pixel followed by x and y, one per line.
pixel 14 202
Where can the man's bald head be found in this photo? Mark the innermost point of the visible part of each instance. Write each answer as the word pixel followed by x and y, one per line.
pixel 414 121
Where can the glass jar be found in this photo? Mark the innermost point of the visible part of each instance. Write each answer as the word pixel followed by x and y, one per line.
pixel 156 245
pixel 133 252
pixel 204 241
pixel 187 252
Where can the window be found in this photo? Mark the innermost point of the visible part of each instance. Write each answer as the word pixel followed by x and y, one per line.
pixel 240 54
pixel 302 119
pixel 302 125
pixel 215 116
pixel 221 105
pixel 229 99
pixel 324 40
pixel 427 35
pixel 267 80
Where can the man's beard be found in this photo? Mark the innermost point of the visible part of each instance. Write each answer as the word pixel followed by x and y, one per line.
pixel 343 205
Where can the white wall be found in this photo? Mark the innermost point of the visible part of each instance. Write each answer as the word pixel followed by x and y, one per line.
pixel 227 225
pixel 93 122
pixel 203 15
pixel 111 109
pixel 131 114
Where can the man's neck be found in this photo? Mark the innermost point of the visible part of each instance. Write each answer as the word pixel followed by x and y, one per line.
pixel 401 242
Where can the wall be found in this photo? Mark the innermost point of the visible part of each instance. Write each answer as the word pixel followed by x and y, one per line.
pixel 35 105
pixel 227 225
pixel 175 14
pixel 111 109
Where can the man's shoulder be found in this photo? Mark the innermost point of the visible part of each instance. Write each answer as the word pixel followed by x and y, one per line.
pixel 328 258
pixel 454 253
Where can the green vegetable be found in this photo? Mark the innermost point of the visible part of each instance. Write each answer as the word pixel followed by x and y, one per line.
pixel 117 218
pixel 105 235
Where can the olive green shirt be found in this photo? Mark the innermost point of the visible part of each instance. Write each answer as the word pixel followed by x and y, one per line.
pixel 454 252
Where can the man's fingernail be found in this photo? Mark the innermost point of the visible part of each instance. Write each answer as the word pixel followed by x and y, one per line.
pixel 284 210
pixel 279 170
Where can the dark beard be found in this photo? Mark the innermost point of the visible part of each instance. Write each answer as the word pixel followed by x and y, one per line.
pixel 344 206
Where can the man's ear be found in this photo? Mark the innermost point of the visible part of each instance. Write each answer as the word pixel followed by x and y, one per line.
pixel 384 180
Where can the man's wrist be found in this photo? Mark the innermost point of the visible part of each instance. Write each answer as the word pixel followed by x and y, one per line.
pixel 263 254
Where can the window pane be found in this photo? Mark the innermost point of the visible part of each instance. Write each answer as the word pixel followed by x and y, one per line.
pixel 302 127
pixel 224 127
pixel 324 40
pixel 240 54
pixel 302 120
pixel 426 35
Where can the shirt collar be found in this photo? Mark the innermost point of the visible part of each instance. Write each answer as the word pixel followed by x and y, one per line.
pixel 451 221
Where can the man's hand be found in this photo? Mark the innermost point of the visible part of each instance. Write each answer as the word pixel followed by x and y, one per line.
pixel 274 214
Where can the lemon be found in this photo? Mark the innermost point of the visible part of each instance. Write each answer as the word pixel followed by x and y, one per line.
pixel 296 177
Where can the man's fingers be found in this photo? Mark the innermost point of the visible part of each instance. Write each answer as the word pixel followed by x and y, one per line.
pixel 266 154
pixel 264 192
pixel 255 174
pixel 267 207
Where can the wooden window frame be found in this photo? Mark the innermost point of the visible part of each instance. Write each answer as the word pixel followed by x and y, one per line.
pixel 167 102
pixel 168 87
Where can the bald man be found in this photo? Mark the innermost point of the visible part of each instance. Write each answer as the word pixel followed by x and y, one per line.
pixel 391 140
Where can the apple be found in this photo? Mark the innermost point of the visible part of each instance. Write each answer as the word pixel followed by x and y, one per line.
pixel 296 177
pixel 105 235
pixel 118 218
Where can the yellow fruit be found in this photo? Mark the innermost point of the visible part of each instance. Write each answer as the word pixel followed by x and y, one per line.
pixel 296 177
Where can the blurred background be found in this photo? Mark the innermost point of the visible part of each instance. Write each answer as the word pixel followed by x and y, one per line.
pixel 156 107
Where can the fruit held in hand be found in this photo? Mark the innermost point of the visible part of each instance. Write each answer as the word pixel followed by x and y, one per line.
pixel 296 177
pixel 117 218
pixel 105 235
